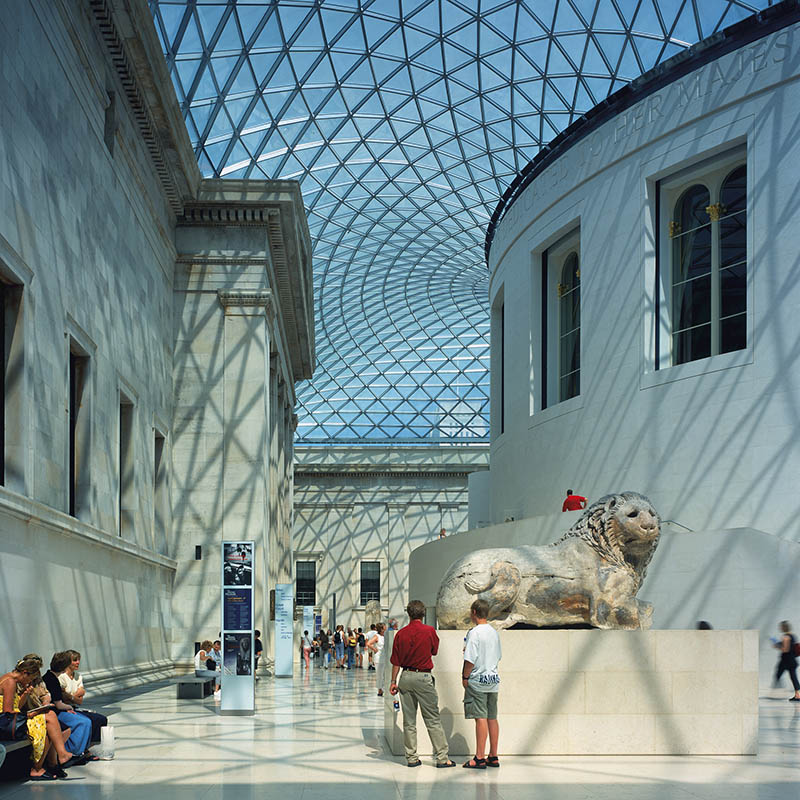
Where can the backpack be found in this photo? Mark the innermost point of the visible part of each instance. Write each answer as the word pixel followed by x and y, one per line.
pixel 337 638
pixel 797 649
pixel 361 640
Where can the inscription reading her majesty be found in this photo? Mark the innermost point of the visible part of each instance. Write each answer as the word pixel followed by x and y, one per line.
pixel 726 71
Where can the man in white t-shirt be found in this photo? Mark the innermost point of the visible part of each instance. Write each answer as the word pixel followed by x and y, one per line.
pixel 481 683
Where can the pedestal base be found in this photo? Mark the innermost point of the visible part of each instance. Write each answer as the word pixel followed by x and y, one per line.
pixel 587 692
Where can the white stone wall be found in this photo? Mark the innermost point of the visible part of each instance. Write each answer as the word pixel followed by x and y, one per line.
pixel 184 295
pixel 714 444
pixel 376 505
pixel 83 231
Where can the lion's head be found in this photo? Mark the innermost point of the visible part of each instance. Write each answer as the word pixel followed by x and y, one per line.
pixel 623 528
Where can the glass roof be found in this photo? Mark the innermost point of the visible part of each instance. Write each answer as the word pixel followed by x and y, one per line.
pixel 404 121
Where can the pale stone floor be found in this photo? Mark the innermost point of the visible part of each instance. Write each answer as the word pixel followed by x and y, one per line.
pixel 318 737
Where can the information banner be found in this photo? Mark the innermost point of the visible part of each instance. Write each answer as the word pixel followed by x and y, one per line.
pixel 308 621
pixel 284 629
pixel 237 609
pixel 238 682
pixel 318 623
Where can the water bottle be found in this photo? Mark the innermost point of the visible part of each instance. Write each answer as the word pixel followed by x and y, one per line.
pixel 396 704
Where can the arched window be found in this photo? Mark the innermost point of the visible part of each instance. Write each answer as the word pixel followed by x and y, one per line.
pixel 708 262
pixel 569 324
pixel 691 277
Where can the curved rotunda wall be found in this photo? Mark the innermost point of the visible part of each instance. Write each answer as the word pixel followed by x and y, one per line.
pixel 712 441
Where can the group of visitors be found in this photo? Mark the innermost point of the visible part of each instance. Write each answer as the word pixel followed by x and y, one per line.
pixel 347 648
pixel 48 710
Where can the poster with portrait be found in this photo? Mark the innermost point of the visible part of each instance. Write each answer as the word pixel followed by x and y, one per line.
pixel 237 564
pixel 237 654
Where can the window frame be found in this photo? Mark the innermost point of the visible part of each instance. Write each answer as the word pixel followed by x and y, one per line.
pixel 297 579
pixel 710 172
pixel 362 599
pixel 554 259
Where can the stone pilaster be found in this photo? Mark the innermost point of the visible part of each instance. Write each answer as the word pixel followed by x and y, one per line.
pixel 245 427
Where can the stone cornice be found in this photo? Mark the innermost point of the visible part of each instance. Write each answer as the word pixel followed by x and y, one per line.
pixel 127 30
pixel 246 298
pixel 227 214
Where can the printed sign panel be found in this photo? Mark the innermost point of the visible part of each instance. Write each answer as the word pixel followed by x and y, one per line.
pixel 238 654
pixel 284 629
pixel 308 620
pixel 237 564
pixel 238 681
pixel 237 609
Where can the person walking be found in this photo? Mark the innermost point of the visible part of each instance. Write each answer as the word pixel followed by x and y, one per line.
pixel 351 641
pixel 360 645
pixel 375 644
pixel 324 648
pixel 788 659
pixel 573 502
pixel 368 637
pixel 481 681
pixel 338 644
pixel 305 643
pixel 412 651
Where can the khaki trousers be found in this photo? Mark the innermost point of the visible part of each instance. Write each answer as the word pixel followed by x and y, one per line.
pixel 418 689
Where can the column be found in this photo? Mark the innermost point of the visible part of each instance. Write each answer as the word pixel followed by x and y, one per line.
pixel 245 427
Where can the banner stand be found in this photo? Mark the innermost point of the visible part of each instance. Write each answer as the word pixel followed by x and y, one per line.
pixel 238 678
pixel 284 629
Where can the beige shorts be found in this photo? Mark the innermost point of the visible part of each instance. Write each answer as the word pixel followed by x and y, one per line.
pixel 479 705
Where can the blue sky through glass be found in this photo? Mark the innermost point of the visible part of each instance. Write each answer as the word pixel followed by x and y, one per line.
pixel 404 121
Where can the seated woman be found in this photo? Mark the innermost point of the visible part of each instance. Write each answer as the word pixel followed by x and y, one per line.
pixel 73 691
pixel 41 726
pixel 78 742
pixel 201 662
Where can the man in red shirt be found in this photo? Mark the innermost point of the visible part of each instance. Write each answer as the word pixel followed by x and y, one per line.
pixel 574 502
pixel 412 652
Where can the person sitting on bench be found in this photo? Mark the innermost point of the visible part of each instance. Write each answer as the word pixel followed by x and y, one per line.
pixel 71 683
pixel 204 664
pixel 78 742
pixel 40 725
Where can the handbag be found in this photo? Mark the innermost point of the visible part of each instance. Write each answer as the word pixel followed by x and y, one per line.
pixel 13 726
pixel 107 744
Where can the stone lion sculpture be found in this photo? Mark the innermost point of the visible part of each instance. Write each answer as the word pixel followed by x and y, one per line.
pixel 588 577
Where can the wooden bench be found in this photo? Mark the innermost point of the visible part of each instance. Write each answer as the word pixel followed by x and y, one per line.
pixel 194 687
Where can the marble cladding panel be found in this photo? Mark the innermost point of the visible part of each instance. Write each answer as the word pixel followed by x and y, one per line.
pixel 554 703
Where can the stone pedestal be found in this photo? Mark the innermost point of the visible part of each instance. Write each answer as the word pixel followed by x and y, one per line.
pixel 588 692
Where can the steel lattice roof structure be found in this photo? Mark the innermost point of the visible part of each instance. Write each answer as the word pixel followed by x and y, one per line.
pixel 405 121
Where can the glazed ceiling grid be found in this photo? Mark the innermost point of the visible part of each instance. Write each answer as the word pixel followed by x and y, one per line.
pixel 404 121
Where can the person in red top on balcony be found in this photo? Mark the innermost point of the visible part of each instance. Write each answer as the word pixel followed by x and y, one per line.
pixel 574 502
pixel 412 652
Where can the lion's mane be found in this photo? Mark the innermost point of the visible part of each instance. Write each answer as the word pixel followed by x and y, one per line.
pixel 599 528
